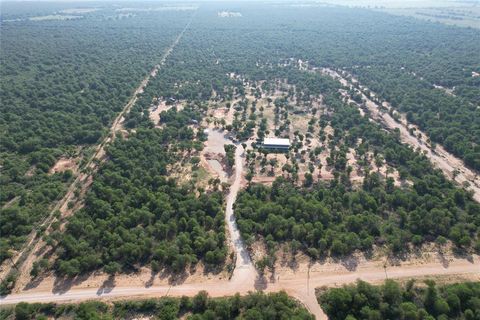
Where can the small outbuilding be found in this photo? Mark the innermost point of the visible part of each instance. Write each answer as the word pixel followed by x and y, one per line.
pixel 277 144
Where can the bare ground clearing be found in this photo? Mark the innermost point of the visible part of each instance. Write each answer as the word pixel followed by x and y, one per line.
pixel 64 164
pixel 212 157
pixel 156 110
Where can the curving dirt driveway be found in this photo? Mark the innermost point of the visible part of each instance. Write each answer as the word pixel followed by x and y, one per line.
pixel 244 271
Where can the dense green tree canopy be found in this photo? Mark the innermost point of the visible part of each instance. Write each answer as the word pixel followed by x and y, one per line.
pixel 62 83
pixel 135 214
pixel 395 301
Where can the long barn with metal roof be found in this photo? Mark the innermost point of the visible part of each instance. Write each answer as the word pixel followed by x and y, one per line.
pixel 276 144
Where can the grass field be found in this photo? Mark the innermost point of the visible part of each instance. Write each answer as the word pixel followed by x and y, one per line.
pixel 457 13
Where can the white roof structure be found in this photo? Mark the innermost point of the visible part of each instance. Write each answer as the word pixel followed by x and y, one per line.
pixel 277 142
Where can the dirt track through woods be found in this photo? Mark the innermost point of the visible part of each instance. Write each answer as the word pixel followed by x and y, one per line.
pixel 440 158
pixel 24 259
pixel 244 271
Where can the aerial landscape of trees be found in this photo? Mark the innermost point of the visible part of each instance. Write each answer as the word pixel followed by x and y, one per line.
pixel 409 301
pixel 62 83
pixel 64 80
pixel 336 218
pixel 382 60
pixel 134 214
pixel 453 122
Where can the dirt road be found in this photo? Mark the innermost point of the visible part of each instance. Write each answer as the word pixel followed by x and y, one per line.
pixel 298 284
pixel 244 271
pixel 453 167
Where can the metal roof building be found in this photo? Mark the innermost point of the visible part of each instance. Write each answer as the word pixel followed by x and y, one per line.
pixel 276 143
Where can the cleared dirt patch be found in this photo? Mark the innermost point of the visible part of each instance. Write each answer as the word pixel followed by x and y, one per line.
pixel 144 277
pixel 155 111
pixel 64 164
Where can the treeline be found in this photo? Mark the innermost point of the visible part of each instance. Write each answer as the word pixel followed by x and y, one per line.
pixel 332 220
pixel 410 301
pixel 64 81
pixel 19 218
pixel 27 191
pixel 442 55
pixel 254 306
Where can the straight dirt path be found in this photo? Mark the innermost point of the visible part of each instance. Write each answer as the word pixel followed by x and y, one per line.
pixel 23 260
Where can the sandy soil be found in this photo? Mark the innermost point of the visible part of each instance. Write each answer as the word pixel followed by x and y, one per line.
pixel 268 181
pixel 144 277
pixel 244 271
pixel 216 142
pixel 221 113
pixel 212 157
pixel 217 167
pixel 212 171
pixel 64 164
pixel 156 110
pixel 355 176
